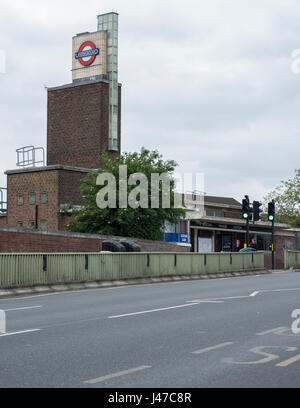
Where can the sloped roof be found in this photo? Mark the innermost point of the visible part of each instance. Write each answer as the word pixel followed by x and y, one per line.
pixel 221 200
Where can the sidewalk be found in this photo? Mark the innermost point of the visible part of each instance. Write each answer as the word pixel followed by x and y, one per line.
pixel 57 288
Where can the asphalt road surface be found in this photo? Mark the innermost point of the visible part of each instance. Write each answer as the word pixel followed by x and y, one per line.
pixel 234 332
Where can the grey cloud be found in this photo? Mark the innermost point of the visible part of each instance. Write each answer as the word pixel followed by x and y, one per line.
pixel 207 83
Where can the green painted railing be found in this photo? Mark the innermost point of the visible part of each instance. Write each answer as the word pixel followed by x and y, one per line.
pixel 38 269
pixel 291 259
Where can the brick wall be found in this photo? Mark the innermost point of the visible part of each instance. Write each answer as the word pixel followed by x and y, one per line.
pixel 268 260
pixel 69 185
pixel 60 184
pixel 283 242
pixel 78 123
pixel 22 240
pixel 22 184
pixel 33 241
pixel 3 220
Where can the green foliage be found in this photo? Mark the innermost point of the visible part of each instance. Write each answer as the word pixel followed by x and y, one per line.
pixel 140 222
pixel 287 201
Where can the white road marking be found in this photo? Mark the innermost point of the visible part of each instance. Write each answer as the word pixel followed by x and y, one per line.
pixel 245 297
pixel 276 330
pixel 22 308
pixel 280 290
pixel 218 346
pixel 216 299
pixel 2 322
pixel 19 332
pixel 258 350
pixel 289 361
pixel 152 310
pixel 204 301
pixel 119 374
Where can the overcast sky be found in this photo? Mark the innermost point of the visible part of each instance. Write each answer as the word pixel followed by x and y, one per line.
pixel 208 83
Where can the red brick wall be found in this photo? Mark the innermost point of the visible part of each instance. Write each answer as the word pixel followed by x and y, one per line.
pixel 78 123
pixel 14 240
pixel 281 242
pixel 35 182
pixel 62 187
pixel 69 185
pixel 64 219
pixel 3 220
pixel 44 242
pixel 268 260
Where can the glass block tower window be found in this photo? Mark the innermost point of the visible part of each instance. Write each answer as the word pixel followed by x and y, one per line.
pixel 109 22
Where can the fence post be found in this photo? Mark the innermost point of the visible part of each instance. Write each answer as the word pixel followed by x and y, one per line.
pixel 45 263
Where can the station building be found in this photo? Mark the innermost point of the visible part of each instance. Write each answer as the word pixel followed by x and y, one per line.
pixel 216 225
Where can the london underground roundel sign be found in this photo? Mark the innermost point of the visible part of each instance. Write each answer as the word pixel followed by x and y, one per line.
pixel 87 53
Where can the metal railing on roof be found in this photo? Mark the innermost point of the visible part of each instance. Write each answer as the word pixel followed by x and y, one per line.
pixel 28 156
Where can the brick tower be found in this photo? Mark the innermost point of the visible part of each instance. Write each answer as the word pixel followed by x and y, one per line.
pixel 84 120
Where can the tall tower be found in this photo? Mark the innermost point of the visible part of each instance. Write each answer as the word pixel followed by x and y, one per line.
pixel 84 117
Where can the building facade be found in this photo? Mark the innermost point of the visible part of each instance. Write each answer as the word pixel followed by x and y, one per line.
pixel 215 224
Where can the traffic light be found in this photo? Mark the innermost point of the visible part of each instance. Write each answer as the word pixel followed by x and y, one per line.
pixel 246 208
pixel 256 210
pixel 271 211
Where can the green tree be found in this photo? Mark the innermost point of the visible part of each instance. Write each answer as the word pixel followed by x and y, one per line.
pixel 145 223
pixel 287 201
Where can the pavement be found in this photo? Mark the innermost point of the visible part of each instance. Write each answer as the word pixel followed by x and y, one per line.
pixel 225 332
pixel 64 287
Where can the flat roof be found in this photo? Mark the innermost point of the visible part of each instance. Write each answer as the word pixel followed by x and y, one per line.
pixel 49 168
pixel 80 83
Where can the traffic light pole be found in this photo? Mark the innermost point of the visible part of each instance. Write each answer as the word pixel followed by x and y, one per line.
pixel 273 249
pixel 271 217
pixel 247 234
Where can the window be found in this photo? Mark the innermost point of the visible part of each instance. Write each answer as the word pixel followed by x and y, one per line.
pixel 31 224
pixel 31 198
pixel 214 213
pixel 44 225
pixel 19 224
pixel 20 200
pixel 44 198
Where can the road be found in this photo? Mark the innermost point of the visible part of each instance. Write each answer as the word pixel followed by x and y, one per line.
pixel 234 332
